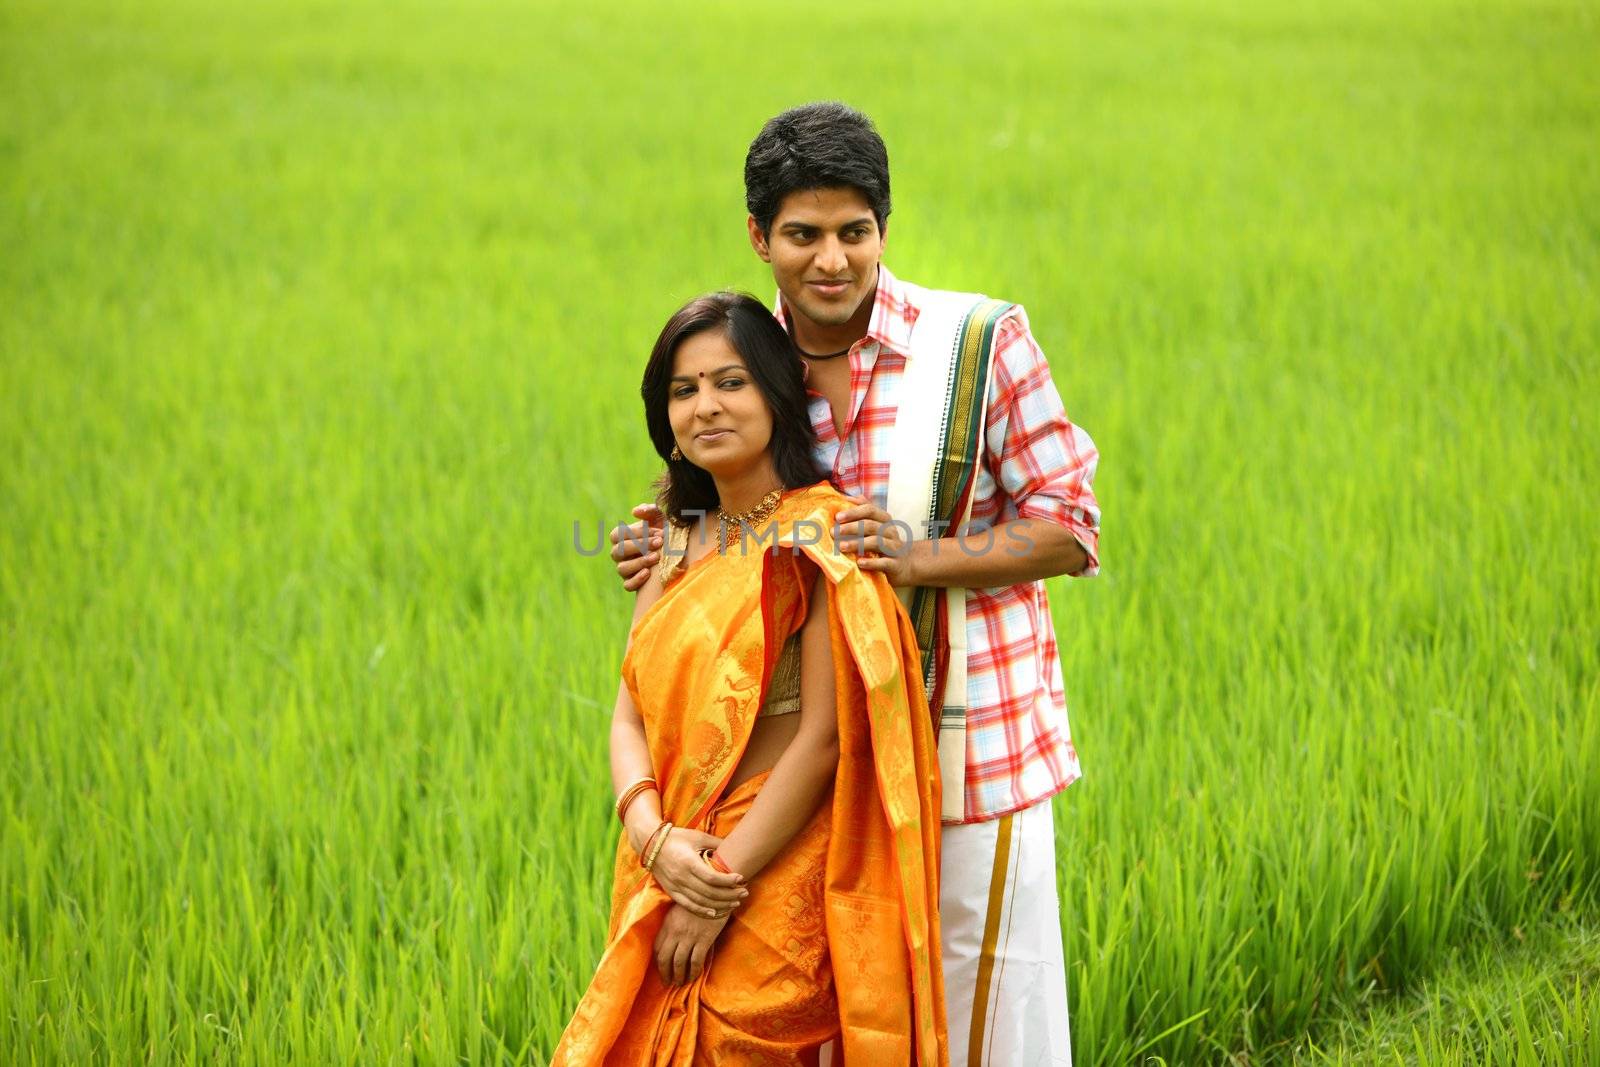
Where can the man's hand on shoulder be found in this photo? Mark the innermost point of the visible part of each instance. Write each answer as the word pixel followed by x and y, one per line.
pixel 636 547
pixel 876 540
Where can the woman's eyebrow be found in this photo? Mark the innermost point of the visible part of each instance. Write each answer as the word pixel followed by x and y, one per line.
pixel 719 370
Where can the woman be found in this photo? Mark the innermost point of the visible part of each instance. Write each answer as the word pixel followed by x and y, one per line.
pixel 771 750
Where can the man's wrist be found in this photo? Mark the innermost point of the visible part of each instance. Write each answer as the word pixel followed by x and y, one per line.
pixel 914 570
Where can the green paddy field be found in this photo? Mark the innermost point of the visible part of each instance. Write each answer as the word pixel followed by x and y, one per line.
pixel 321 326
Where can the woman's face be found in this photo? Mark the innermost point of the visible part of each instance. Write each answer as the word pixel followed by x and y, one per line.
pixel 718 415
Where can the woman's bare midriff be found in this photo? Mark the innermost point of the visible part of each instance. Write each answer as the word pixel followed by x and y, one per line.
pixel 768 738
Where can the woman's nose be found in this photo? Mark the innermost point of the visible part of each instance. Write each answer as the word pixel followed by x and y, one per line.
pixel 708 403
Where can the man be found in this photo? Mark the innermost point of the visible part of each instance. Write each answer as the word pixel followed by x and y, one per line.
pixel 885 363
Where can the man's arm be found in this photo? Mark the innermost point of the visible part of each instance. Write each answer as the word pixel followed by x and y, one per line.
pixel 1022 550
pixel 1040 460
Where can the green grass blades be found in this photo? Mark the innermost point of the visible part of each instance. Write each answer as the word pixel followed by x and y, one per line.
pixel 1529 1000
pixel 321 325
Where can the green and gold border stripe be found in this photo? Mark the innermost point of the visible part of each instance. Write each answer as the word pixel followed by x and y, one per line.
pixel 958 456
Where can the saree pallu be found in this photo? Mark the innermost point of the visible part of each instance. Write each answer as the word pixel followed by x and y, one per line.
pixel 840 934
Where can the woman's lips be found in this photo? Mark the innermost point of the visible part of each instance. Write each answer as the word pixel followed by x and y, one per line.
pixel 711 436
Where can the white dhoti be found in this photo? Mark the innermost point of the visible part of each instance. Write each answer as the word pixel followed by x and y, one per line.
pixel 1005 982
pixel 1004 978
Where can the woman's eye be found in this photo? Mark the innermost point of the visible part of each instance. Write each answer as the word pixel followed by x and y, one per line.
pixel 732 383
pixel 683 391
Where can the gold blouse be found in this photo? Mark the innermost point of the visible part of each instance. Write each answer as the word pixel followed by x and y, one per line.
pixel 783 693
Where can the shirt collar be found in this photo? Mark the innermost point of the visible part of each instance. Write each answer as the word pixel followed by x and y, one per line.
pixel 893 314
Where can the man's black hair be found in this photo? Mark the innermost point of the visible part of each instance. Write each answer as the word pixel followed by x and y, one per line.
pixel 824 145
pixel 769 357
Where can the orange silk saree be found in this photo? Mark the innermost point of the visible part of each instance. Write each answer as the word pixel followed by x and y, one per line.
pixel 840 934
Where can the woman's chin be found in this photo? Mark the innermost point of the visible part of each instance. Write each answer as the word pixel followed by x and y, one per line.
pixel 720 459
pixel 727 468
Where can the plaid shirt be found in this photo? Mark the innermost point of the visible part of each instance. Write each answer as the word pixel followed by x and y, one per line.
pixel 1036 465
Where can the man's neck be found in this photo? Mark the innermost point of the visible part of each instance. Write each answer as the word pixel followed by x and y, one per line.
pixel 819 339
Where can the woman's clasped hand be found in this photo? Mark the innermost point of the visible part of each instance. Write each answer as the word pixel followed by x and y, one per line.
pixel 684 943
pixel 691 882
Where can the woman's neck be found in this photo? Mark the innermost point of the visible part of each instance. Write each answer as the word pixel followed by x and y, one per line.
pixel 743 491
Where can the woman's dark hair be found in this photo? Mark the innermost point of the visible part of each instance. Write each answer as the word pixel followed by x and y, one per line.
pixel 815 146
pixel 773 366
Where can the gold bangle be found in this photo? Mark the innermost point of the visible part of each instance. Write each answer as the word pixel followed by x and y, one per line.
pixel 650 841
pixel 666 832
pixel 630 794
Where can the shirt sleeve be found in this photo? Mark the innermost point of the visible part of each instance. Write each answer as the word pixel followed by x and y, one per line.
pixel 1041 460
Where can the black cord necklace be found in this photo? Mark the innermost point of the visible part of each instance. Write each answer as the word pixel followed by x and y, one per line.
pixel 807 356
pixel 818 359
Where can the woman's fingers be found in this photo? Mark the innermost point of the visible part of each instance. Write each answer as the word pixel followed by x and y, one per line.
pixel 694 903
pixel 720 897
pixel 664 950
pixel 699 903
pixel 695 897
pixel 716 886
pixel 724 897
pixel 697 959
pixel 680 962
pixel 707 907
pixel 690 881
pixel 712 882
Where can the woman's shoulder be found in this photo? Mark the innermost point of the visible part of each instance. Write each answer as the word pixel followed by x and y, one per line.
pixel 820 495
pixel 821 500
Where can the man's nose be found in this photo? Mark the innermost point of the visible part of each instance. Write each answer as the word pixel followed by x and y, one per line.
pixel 830 257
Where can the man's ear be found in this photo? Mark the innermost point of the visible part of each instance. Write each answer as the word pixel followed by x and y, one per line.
pixel 758 240
pixel 883 237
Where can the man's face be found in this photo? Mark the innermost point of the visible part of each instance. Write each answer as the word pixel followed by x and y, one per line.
pixel 824 248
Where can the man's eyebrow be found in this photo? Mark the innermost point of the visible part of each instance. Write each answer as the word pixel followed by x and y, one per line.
pixel 862 221
pixel 719 370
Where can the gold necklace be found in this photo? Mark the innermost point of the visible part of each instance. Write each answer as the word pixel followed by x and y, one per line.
pixel 726 522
